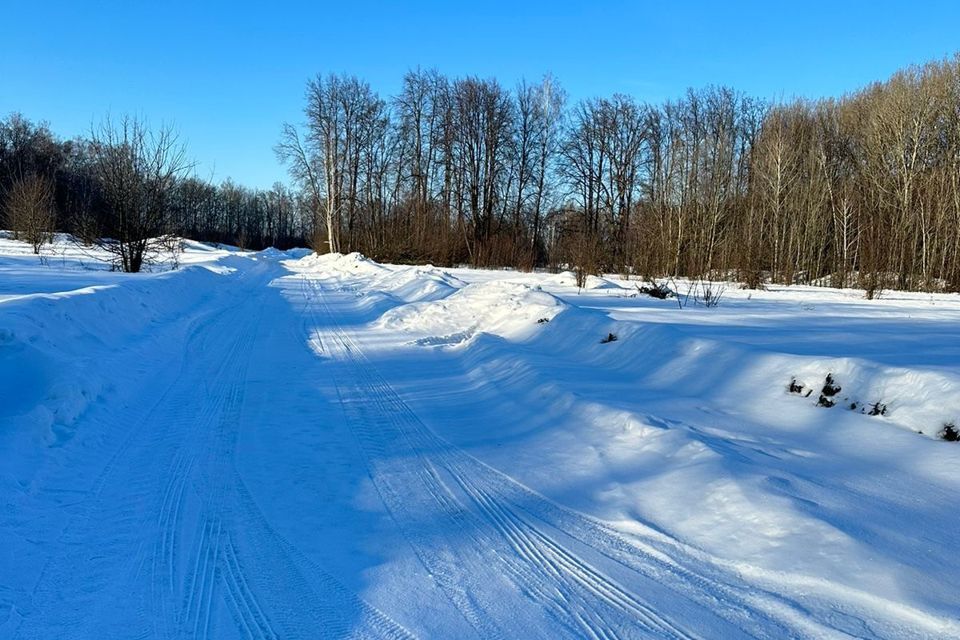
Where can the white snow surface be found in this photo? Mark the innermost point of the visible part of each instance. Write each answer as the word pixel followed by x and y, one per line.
pixel 284 445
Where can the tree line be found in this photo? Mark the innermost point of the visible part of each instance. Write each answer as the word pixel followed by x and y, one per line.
pixel 859 190
pixel 130 189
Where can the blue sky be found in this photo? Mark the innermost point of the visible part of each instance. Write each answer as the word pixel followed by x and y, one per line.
pixel 228 74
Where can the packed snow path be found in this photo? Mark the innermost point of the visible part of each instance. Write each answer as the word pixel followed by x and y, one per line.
pixel 258 474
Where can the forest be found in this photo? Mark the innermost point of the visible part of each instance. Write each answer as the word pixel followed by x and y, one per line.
pixel 858 190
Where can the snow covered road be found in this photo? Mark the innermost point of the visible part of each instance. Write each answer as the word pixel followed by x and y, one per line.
pixel 167 540
pixel 283 455
pixel 504 559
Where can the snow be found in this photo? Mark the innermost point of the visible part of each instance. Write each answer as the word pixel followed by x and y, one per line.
pixel 285 445
pixel 505 309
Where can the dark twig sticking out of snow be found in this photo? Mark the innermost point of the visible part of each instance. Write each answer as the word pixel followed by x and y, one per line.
pixel 830 386
pixel 877 409
pixel 658 290
pixel 829 397
pixel 949 433
pixel 703 292
pixel 830 389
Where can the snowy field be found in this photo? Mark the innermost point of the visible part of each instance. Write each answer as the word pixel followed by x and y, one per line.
pixel 280 445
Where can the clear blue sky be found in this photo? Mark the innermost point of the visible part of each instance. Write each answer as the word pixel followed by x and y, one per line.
pixel 227 74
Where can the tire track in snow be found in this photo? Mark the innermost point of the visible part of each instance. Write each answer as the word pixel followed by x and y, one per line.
pixel 105 522
pixel 567 586
pixel 269 588
pixel 486 486
pixel 566 567
pixel 163 566
pixel 214 476
pixel 383 436
pixel 180 475
pixel 310 601
pixel 182 472
pixel 669 574
pixel 368 429
pixel 245 604
pixel 173 532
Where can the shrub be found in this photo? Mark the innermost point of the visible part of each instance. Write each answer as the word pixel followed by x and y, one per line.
pixel 752 278
pixel 703 292
pixel 30 211
pixel 657 290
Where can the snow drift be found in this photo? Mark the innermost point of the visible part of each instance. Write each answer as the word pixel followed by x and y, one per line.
pixel 503 309
pixel 48 341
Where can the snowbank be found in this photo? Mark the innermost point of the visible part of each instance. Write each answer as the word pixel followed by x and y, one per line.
pixel 505 309
pixel 415 284
pixel 338 264
pixel 684 430
pixel 63 322
pixel 356 272
pixel 569 279
pixel 48 343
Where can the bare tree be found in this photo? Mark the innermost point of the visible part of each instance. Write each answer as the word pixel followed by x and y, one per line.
pixel 536 139
pixel 483 116
pixel 549 100
pixel 29 209
pixel 346 121
pixel 306 171
pixel 138 170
